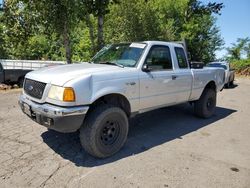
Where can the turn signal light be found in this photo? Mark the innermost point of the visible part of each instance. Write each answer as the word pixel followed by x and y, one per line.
pixel 69 95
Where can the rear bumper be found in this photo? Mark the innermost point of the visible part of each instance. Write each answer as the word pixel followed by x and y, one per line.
pixel 61 119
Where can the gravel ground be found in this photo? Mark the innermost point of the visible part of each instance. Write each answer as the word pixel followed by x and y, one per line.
pixel 168 147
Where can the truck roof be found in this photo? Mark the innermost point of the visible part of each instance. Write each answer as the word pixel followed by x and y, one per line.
pixel 163 43
pixel 219 62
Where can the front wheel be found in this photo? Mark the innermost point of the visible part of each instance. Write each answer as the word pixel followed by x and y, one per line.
pixel 104 131
pixel 205 106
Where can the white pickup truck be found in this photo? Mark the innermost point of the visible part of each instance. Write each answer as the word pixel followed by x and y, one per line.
pixel 122 80
pixel 229 72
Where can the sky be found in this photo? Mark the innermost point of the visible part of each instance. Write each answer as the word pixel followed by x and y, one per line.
pixel 234 21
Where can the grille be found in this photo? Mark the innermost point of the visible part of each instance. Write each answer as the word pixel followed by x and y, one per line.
pixel 34 88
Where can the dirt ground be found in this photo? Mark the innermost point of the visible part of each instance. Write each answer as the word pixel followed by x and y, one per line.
pixel 168 147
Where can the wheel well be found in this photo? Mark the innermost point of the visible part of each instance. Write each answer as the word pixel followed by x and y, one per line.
pixel 211 85
pixel 116 100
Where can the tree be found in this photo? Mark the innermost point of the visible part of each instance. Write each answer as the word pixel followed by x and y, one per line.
pixel 200 31
pixel 168 20
pixel 90 26
pixel 76 29
pixel 202 37
pixel 2 5
pixel 61 17
pixel 238 48
pixel 3 53
pixel 247 50
pixel 132 21
pixel 81 43
pixel 99 8
pixel 19 24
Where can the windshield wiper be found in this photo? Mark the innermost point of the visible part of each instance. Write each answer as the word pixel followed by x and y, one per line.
pixel 112 63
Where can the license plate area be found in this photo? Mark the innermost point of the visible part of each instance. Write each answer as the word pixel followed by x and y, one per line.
pixel 26 109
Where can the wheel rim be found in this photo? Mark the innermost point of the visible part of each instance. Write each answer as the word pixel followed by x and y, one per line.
pixel 210 103
pixel 110 132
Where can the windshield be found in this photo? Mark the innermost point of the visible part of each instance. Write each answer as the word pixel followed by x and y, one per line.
pixel 217 65
pixel 126 55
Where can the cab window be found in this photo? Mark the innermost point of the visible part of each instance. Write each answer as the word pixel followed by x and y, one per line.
pixel 159 58
pixel 181 58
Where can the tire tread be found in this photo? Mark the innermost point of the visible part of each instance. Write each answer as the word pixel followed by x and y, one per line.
pixel 199 104
pixel 88 129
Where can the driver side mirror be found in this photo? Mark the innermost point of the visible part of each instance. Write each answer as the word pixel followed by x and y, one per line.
pixel 146 68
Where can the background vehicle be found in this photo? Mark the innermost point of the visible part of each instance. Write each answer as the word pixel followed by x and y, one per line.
pixel 229 73
pixel 121 81
pixel 14 71
pixel 12 76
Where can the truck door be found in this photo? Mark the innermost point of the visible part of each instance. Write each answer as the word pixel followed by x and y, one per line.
pixel 157 86
pixel 183 76
pixel 1 74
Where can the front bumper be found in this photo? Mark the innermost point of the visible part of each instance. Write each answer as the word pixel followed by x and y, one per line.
pixel 61 119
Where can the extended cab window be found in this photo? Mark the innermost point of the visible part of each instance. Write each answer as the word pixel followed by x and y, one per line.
pixel 181 58
pixel 159 58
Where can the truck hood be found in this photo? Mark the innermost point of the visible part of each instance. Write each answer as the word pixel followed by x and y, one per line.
pixel 60 74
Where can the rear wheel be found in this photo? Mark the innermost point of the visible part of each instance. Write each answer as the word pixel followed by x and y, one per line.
pixel 104 131
pixel 205 106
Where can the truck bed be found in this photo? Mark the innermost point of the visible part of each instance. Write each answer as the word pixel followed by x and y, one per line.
pixel 28 64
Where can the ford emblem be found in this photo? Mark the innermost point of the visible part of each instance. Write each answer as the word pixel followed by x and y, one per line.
pixel 30 88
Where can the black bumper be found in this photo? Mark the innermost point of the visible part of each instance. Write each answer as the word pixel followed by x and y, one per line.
pixel 65 124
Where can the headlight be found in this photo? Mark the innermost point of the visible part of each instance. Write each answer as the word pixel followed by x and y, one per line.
pixel 62 94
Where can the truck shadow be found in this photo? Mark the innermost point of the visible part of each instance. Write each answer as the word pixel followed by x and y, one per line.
pixel 232 86
pixel 146 131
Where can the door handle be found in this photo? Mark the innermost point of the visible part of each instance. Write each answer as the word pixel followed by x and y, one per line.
pixel 131 83
pixel 174 77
